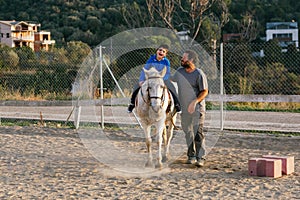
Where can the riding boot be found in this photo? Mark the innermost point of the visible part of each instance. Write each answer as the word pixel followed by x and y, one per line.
pixel 176 102
pixel 130 108
pixel 178 108
pixel 132 100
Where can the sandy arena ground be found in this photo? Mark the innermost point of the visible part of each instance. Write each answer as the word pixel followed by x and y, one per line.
pixel 49 163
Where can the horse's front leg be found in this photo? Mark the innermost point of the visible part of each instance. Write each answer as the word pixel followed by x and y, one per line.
pixel 147 131
pixel 160 129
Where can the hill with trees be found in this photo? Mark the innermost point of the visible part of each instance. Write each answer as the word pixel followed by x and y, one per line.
pixel 80 25
pixel 92 21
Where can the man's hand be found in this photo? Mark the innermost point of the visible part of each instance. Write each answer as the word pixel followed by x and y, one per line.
pixel 192 106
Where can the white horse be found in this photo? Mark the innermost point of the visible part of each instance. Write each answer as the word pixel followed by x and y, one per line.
pixel 155 107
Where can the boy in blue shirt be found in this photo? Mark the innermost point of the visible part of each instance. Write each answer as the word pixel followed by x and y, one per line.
pixel 159 61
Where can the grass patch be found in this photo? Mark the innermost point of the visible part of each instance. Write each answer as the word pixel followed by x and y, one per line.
pixel 274 133
pixel 29 122
pixel 256 106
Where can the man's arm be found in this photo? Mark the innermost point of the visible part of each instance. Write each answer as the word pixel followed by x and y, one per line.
pixel 202 95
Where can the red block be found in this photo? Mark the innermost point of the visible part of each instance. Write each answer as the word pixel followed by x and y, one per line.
pixel 265 167
pixel 288 165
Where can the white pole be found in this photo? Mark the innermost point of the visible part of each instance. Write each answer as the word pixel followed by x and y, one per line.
pixel 101 86
pixel 77 112
pixel 221 89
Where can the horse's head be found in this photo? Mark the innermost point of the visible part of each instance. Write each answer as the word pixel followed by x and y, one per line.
pixel 154 89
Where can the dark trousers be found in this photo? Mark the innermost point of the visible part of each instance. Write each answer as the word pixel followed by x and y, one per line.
pixel 192 125
pixel 133 96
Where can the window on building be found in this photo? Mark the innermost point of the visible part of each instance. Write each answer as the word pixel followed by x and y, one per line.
pixel 2 35
pixel 7 35
pixel 45 37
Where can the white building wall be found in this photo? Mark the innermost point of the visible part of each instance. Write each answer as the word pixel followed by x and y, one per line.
pixel 6 29
pixel 294 32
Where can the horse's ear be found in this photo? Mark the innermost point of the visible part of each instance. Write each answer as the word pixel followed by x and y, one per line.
pixel 163 72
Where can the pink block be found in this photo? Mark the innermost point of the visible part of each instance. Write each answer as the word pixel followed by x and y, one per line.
pixel 265 167
pixel 261 167
pixel 273 168
pixel 288 164
pixel 252 166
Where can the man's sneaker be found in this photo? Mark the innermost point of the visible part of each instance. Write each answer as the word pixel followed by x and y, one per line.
pixel 191 160
pixel 199 163
pixel 130 108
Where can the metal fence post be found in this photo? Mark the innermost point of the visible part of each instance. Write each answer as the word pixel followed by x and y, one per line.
pixel 101 85
pixel 221 88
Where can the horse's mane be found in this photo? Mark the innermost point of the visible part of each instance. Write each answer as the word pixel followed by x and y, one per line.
pixel 153 73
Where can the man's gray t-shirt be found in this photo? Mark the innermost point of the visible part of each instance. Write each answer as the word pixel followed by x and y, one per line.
pixel 189 87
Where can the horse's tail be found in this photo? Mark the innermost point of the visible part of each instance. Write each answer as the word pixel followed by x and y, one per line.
pixel 172 121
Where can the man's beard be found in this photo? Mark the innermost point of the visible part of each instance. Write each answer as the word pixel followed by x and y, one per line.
pixel 185 64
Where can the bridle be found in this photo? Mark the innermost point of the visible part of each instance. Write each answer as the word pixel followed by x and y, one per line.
pixel 148 100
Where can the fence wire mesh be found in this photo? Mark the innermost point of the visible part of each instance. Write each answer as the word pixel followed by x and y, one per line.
pixel 256 68
pixel 259 68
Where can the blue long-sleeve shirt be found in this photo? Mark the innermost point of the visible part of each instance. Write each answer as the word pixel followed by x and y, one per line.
pixel 159 65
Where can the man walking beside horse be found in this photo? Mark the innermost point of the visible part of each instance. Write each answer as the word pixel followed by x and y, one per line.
pixel 192 90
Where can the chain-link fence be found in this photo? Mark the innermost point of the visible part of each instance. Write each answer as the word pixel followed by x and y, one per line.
pixel 256 68
pixel 263 68
pixel 126 68
pixel 39 76
pixel 248 69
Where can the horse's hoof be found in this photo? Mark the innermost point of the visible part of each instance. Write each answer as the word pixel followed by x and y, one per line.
pixel 149 164
pixel 165 158
pixel 158 166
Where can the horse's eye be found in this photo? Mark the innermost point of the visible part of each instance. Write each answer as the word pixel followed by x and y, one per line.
pixel 162 86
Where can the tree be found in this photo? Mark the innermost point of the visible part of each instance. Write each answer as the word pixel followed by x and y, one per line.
pixel 273 79
pixel 94 24
pixel 189 14
pixel 248 27
pixel 291 59
pixel 26 55
pixel 8 59
pixel 77 51
pixel 239 56
pixel 272 51
pixel 134 15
